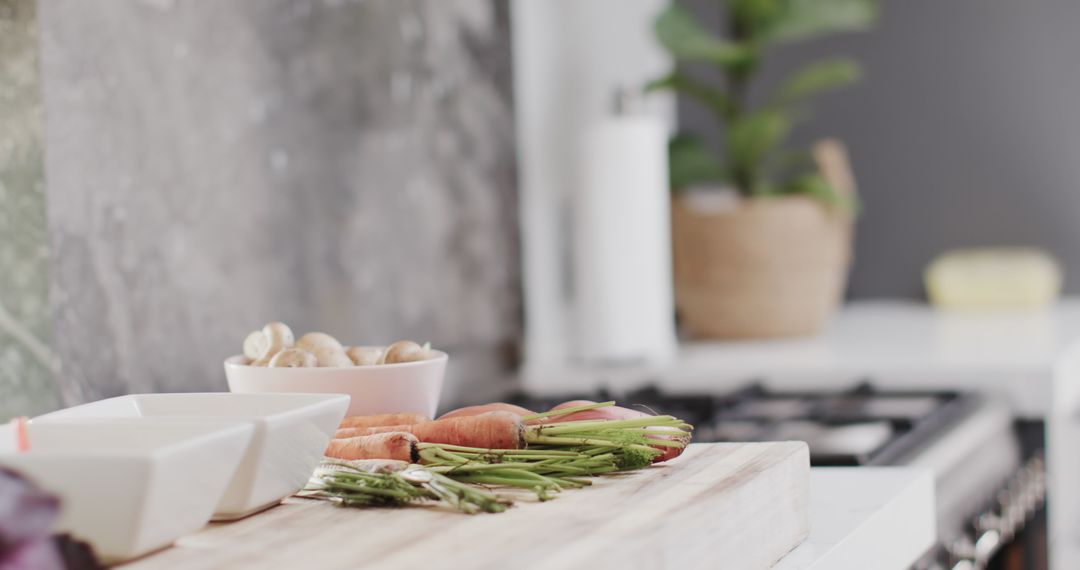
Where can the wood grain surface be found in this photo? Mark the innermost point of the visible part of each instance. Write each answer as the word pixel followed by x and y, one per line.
pixel 739 505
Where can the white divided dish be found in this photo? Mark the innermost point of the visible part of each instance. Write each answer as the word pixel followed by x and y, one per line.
pixel 378 389
pixel 129 487
pixel 291 433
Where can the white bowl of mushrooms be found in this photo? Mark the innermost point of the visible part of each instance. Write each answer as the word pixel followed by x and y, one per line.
pixel 401 377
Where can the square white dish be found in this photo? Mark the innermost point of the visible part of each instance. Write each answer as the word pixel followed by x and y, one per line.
pixel 129 487
pixel 291 433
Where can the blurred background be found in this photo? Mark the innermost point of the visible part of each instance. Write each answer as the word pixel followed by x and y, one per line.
pixel 350 166
pixel 174 174
pixel 961 132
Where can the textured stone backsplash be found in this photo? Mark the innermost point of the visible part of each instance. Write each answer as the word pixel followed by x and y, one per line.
pixel 27 364
pixel 342 166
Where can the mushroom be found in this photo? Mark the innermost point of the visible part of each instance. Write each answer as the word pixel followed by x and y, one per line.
pixel 364 355
pixel 404 351
pixel 293 358
pixel 277 337
pixel 316 340
pixel 329 357
pixel 327 350
pixel 255 345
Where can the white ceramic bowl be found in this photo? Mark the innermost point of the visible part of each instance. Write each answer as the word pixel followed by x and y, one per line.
pixel 291 433
pixel 129 487
pixel 379 389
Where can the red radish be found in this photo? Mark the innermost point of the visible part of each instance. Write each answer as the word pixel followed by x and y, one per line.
pixel 605 413
pixel 613 413
pixel 384 420
pixel 573 404
pixel 668 453
pixel 491 430
pixel 390 445
pixel 493 407
pixel 22 435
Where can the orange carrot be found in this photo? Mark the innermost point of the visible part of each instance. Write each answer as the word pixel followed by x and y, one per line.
pixel 494 430
pixel 493 407
pixel 383 420
pixel 343 433
pixel 389 445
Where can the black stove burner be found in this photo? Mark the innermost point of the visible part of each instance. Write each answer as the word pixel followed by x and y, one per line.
pixel 861 426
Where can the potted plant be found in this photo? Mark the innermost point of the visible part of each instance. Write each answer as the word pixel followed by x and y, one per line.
pixel 761 233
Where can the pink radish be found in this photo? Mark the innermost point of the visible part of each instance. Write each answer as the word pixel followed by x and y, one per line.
pixel 612 413
pixel 605 413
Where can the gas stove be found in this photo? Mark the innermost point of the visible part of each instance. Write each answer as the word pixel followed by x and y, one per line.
pixel 989 483
pixel 861 426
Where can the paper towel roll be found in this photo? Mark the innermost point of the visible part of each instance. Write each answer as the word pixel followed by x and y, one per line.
pixel 622 243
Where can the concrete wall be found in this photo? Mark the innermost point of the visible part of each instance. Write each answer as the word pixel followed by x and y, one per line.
pixel 965 132
pixel 27 363
pixel 341 166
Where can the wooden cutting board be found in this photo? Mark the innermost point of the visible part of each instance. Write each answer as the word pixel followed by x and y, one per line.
pixel 735 506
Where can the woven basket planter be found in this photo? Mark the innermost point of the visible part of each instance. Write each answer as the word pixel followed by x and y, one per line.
pixel 757 267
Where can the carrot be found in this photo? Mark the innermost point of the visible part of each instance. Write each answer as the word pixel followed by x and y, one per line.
pixel 491 430
pixel 383 420
pixel 344 433
pixel 389 445
pixel 493 407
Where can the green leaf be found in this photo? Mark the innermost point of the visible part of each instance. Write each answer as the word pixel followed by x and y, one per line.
pixel 692 163
pixel 817 78
pixel 790 160
pixel 815 186
pixel 714 99
pixel 751 18
pixel 687 40
pixel 750 139
pixel 805 19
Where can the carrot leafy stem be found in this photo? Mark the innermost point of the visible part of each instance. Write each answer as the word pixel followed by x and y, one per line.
pixel 356 485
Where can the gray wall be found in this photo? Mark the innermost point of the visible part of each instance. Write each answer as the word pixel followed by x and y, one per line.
pixel 27 363
pixel 341 166
pixel 966 131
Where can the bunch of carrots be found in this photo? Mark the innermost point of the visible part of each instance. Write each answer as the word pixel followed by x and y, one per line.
pixel 506 445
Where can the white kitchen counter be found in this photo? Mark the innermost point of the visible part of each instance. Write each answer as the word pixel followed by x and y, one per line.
pixel 866 517
pixel 1030 360
pixel 894 344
